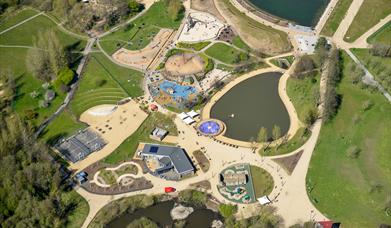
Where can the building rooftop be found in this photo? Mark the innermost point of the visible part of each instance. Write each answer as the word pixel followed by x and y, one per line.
pixel 177 155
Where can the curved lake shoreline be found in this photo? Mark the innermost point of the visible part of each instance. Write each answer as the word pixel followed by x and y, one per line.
pixel 302 12
pixel 250 105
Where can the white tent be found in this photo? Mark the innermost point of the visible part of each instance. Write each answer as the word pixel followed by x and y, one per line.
pixel 192 114
pixel 188 120
pixel 264 200
pixel 183 116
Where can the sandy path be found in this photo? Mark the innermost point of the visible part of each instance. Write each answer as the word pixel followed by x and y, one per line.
pixel 348 19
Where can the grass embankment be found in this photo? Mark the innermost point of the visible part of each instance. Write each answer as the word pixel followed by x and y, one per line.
pixel 381 36
pixel 380 67
pixel 79 207
pixel 226 53
pixel 283 62
pixel 141 31
pixel 257 35
pixel 352 188
pixel 14 58
pixel 104 82
pixel 194 46
pixel 336 17
pixel 63 125
pixel 128 147
pixel 238 42
pixel 370 13
pixel 262 181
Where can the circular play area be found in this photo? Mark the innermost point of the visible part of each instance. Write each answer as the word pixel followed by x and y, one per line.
pixel 184 64
pixel 211 127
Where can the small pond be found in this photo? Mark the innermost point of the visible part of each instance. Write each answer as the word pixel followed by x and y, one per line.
pixel 250 105
pixel 160 214
pixel 303 12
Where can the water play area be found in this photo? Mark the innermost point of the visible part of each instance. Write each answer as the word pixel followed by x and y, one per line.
pixel 250 105
pixel 302 12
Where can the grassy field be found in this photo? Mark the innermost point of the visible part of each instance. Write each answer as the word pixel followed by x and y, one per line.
pixel 127 149
pixel 103 82
pixel 80 209
pixel 224 53
pixel 336 17
pixel 238 42
pixel 26 33
pixel 142 31
pixel 370 13
pixel 382 36
pixel 63 125
pixel 14 18
pixel 262 181
pixel 194 46
pixel 380 67
pixel 257 35
pixel 303 94
pixel 350 190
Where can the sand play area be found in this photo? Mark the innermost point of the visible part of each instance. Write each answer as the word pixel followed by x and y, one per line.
pixel 144 58
pixel 114 124
pixel 184 64
pixel 200 26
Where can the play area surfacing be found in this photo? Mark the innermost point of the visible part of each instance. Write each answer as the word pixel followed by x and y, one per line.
pixel 172 94
pixel 236 189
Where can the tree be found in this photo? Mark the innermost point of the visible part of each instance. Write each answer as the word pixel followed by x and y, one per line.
pixel 56 51
pixel 175 9
pixel 311 116
pixel 66 75
pixel 134 6
pixel 38 64
pixel 304 66
pixel 262 135
pixel 276 132
pixel 227 210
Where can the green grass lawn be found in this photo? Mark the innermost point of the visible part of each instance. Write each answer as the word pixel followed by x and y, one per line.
pixel 380 67
pixel 79 210
pixel 133 39
pixel 62 126
pixel 108 176
pixel 194 46
pixel 224 53
pixel 238 42
pixel 382 36
pixel 336 17
pixel 264 38
pixel 15 18
pixel 370 13
pixel 353 191
pixel 14 59
pixel 262 181
pixel 302 94
pixel 127 149
pixel 26 33
pixel 127 169
pixel 103 82
pixel 143 30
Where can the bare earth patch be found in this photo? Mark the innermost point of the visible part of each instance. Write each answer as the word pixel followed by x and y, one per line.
pixel 184 64
pixel 206 6
pixel 289 163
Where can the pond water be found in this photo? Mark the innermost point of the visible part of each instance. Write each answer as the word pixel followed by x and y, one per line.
pixel 160 214
pixel 303 12
pixel 250 105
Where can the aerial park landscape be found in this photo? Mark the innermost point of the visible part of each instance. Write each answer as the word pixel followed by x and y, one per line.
pixel 195 113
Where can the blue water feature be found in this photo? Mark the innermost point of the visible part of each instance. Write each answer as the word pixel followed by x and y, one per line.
pixel 209 127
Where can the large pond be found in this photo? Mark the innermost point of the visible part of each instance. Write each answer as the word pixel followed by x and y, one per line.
pixel 303 12
pixel 160 214
pixel 250 105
